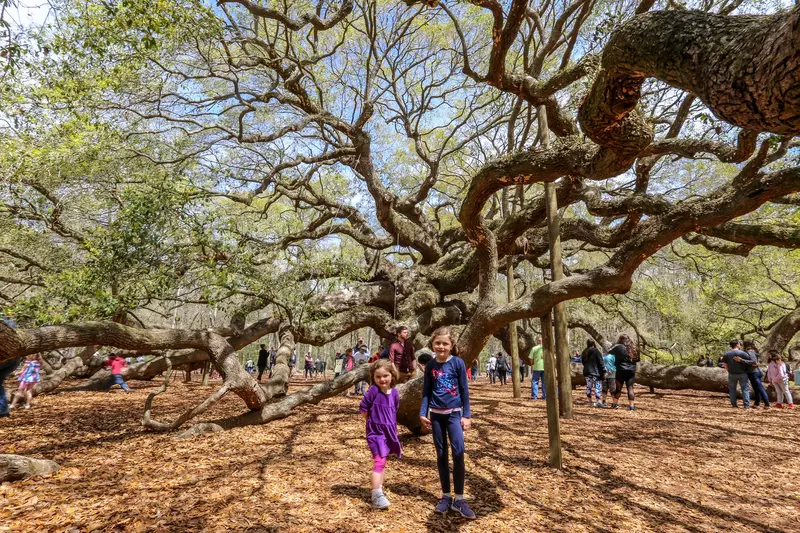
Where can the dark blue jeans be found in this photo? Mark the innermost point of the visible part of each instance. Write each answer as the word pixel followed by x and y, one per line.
pixel 759 391
pixel 6 369
pixel 444 426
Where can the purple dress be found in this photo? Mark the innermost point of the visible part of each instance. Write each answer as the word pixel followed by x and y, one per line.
pixel 381 412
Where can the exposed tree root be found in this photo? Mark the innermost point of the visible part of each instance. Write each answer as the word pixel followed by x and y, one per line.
pixel 17 467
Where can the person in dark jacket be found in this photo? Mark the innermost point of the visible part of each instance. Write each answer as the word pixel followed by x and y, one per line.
pixel 737 362
pixel 6 369
pixel 754 376
pixel 594 370
pixel 263 359
pixel 705 361
pixel 501 367
pixel 626 356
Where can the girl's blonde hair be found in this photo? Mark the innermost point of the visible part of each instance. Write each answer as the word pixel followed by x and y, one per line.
pixel 444 331
pixel 384 364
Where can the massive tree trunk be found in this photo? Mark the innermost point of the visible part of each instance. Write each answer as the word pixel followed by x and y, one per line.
pixel 17 467
pixel 782 333
pixel 410 402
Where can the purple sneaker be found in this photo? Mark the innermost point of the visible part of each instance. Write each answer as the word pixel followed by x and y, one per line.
pixel 461 507
pixel 444 505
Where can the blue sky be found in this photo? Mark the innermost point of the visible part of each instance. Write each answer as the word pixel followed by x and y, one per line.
pixel 30 12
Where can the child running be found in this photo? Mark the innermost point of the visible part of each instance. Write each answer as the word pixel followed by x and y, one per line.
pixel 28 378
pixel 379 407
pixel 446 393
pixel 776 374
pixel 116 363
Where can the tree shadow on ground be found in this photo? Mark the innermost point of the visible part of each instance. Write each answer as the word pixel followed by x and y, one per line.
pixel 612 482
pixel 485 499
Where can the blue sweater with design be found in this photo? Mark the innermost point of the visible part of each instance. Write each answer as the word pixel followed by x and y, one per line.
pixel 445 386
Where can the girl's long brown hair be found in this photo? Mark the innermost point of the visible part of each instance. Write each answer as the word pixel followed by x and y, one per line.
pixel 633 351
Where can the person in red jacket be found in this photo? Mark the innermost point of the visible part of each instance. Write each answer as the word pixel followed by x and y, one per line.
pixel 401 353
pixel 116 363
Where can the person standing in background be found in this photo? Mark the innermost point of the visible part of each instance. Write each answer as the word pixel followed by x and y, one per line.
pixel 754 376
pixel 401 353
pixel 537 370
pixel 736 362
pixel 263 359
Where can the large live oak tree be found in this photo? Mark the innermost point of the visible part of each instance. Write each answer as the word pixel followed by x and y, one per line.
pixel 388 130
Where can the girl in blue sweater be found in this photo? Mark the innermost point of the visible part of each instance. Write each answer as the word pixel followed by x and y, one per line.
pixel 446 394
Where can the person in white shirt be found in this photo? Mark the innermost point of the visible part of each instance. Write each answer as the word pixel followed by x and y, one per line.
pixel 361 357
pixel 491 366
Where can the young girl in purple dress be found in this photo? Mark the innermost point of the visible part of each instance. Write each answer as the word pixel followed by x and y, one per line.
pixel 379 407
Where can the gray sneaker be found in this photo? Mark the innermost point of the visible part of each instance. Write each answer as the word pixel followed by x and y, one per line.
pixel 380 501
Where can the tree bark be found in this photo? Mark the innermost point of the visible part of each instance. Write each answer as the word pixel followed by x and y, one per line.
pixel 559 310
pixel 410 402
pixel 782 333
pixel 553 422
pixel 18 467
pixel 69 367
pixel 513 341
pixel 745 69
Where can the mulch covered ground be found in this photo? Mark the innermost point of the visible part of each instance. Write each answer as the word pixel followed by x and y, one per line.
pixel 685 461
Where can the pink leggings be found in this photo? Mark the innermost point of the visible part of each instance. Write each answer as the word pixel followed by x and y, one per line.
pixel 379 464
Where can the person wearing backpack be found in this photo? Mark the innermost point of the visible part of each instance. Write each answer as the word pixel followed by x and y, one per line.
pixel 593 370
pixel 502 367
pixel 626 355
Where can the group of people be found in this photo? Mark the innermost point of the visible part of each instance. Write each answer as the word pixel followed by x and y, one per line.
pixel 498 367
pixel 266 364
pixel 606 373
pixel 742 364
pixel 445 410
pixel 399 351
